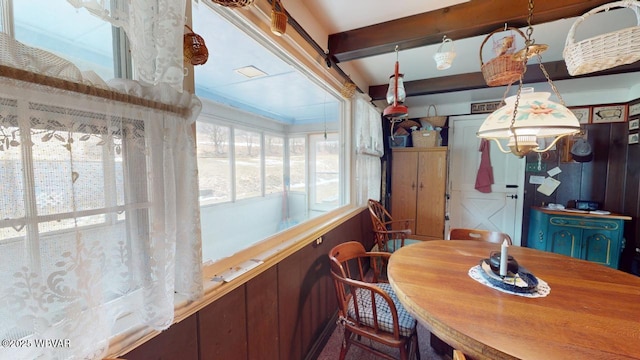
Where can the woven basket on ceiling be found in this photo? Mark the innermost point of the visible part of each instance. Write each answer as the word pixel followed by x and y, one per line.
pixel 603 51
pixel 233 3
pixel 504 69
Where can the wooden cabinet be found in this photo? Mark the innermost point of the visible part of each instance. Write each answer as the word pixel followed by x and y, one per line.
pixel 597 238
pixel 418 183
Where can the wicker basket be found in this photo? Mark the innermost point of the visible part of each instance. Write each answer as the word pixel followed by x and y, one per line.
pixel 278 18
pixel 424 138
pixel 503 69
pixel 603 51
pixel 435 120
pixel 194 49
pixel 444 58
pixel 233 3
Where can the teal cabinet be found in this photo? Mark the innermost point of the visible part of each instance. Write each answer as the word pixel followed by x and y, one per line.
pixel 597 238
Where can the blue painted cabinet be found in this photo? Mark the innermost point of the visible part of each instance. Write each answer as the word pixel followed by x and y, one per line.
pixel 597 238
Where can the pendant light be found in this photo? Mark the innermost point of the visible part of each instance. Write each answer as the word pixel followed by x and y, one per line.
pixel 396 94
pixel 529 117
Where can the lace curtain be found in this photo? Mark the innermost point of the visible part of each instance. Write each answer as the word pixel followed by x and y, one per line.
pixel 98 216
pixel 155 31
pixel 369 149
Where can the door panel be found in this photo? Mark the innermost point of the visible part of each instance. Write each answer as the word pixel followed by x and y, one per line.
pixel 431 189
pixel 404 186
pixel 499 210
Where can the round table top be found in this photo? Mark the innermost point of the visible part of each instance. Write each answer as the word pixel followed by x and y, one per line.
pixel 592 311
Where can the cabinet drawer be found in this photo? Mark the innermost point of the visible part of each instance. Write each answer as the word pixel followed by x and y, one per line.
pixel 584 223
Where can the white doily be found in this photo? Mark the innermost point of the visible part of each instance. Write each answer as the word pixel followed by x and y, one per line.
pixel 542 289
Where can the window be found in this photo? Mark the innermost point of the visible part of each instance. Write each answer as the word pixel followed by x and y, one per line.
pixel 297 164
pixel 214 162
pixel 81 38
pixel 325 171
pixel 273 164
pixel 274 168
pixel 248 164
pixel 92 195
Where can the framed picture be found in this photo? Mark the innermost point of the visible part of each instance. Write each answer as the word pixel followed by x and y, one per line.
pixel 633 138
pixel 634 124
pixel 634 108
pixel 582 113
pixel 609 113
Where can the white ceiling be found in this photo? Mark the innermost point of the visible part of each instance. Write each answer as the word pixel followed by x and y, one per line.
pixel 418 63
pixel 342 15
pixel 230 49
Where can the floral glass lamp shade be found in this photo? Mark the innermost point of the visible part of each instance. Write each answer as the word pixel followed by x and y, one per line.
pixel 536 117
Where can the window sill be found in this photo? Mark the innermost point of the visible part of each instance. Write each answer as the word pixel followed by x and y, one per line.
pixel 237 269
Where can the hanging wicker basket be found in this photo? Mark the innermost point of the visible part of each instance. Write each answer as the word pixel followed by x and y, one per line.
pixel 278 18
pixel 504 69
pixel 194 49
pixel 604 51
pixel 348 89
pixel 444 58
pixel 233 3
pixel 434 120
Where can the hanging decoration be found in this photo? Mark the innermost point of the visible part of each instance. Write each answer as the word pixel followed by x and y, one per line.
pixel 194 49
pixel 444 58
pixel 396 94
pixel 503 69
pixel 603 51
pixel 528 117
pixel 278 18
pixel 348 89
pixel 233 3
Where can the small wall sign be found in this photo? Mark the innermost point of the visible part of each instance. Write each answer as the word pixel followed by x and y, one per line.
pixel 485 107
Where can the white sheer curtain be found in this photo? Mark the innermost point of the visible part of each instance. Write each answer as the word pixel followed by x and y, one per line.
pixel 369 149
pixel 155 31
pixel 98 215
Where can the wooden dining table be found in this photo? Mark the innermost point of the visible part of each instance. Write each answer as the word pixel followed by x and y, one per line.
pixel 591 312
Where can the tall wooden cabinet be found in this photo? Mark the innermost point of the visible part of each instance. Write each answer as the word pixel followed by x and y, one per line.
pixel 418 185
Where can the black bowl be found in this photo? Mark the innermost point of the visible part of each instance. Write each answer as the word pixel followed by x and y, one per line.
pixel 494 263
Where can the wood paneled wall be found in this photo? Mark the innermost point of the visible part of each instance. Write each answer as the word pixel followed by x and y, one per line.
pixel 612 178
pixel 280 314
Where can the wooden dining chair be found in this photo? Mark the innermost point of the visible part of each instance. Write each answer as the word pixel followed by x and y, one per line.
pixel 367 308
pixel 390 234
pixel 478 234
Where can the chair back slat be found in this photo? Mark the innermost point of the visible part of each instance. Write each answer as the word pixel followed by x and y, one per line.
pixel 479 235
pixel 386 229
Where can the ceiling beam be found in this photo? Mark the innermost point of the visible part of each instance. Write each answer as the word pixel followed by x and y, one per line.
pixel 557 71
pixel 473 18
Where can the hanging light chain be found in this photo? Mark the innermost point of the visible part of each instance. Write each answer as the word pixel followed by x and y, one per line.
pixel 553 86
pixel 529 41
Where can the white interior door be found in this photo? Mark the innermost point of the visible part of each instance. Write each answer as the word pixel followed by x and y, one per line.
pixel 499 210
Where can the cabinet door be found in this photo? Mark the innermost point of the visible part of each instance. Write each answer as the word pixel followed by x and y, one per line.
pixel 564 240
pixel 537 230
pixel 404 185
pixel 432 171
pixel 598 246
